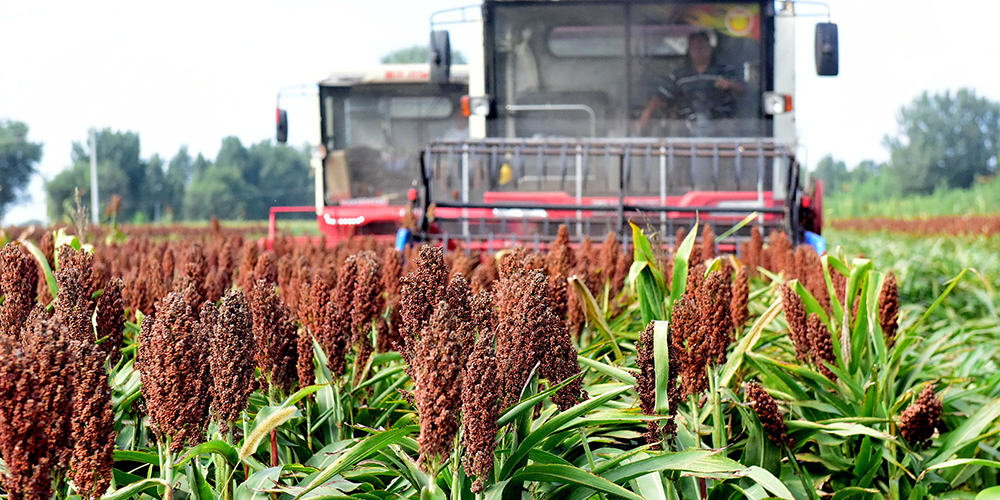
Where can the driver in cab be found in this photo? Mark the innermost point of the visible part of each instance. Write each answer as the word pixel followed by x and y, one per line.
pixel 701 90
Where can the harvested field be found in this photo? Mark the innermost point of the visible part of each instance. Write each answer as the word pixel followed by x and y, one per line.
pixel 946 225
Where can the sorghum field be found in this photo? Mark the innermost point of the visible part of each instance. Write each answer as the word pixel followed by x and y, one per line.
pixel 140 365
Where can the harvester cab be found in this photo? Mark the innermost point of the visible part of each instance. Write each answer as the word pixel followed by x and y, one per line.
pixel 593 113
pixel 373 126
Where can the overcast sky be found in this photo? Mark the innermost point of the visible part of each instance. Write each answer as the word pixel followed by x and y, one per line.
pixel 192 72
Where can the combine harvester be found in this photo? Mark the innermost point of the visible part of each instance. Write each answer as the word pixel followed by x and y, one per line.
pixel 584 114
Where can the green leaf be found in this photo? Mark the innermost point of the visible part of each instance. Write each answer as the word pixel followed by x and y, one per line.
pixel 200 490
pixel 221 448
pixel 133 490
pixel 554 424
pixel 729 232
pixel 301 393
pixel 558 473
pixel 661 366
pixel 594 314
pixel 510 414
pixel 989 494
pixel 43 263
pixel 136 456
pixel 614 372
pixel 368 446
pixel 257 485
pixel 681 258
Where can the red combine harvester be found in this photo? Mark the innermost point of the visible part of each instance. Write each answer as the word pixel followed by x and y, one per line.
pixel 595 113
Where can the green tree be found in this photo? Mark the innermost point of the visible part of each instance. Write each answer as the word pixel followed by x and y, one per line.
pixel 417 54
pixel 945 140
pixel 833 173
pixel 220 191
pixel 18 157
pixel 120 170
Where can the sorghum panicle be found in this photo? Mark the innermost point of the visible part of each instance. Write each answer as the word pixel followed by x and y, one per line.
pixel 18 285
pixel 420 291
pixel 918 421
pixel 93 423
pixel 707 243
pixel 480 411
pixel 795 314
pixel 645 383
pixel 172 360
pixel 438 380
pixel 36 383
pixel 820 345
pixel 275 336
pixel 111 320
pixel 741 298
pixel 767 412
pixel 888 308
pixel 232 358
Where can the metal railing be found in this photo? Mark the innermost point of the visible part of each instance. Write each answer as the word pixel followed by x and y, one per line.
pixel 601 182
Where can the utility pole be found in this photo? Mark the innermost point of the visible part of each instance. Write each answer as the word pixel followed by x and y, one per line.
pixel 94 214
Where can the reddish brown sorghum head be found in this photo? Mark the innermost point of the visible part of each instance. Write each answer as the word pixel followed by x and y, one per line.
pixel 438 380
pixel 248 262
pixel 707 243
pixel 645 383
pixel 392 270
pixel 484 275
pixel 266 268
pixel 560 257
pixel 701 328
pixel 274 331
pixel 337 329
pixel 194 270
pixel 919 420
pixel 18 284
pixel 460 304
pixel 421 290
pixel 530 336
pixel 36 383
pixel 483 316
pixel 767 411
pixel 714 298
pixel 367 303
pixel 93 423
pixel 172 360
pixel 782 256
pixel 480 410
pixel 232 358
pixel 810 269
pixel 609 257
pixel 888 308
pixel 820 345
pixel 111 320
pixel 72 306
pixel 304 367
pixel 798 328
pixel 741 298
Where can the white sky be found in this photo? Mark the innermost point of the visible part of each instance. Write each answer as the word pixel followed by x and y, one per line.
pixel 192 72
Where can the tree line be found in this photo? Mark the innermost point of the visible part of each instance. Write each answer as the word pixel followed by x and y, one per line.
pixel 944 141
pixel 241 183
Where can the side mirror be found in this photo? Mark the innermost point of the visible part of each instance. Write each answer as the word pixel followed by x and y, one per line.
pixel 282 126
pixel 827 53
pixel 440 55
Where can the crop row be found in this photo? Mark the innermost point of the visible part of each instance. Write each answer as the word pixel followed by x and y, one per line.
pixel 206 367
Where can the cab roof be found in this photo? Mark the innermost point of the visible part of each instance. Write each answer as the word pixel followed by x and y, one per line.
pixel 391 73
